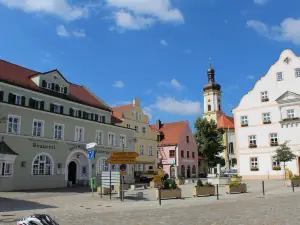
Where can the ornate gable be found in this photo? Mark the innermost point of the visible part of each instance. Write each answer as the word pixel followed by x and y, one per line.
pixel 288 97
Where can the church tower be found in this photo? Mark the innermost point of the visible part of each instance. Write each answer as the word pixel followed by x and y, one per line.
pixel 212 97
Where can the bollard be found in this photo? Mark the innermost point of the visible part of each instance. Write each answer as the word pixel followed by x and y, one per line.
pixel 292 183
pixel 263 187
pixel 159 195
pixel 217 192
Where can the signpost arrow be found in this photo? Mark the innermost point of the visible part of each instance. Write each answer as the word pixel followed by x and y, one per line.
pixel 121 161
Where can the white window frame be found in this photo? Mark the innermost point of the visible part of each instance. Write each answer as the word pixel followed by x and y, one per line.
pixel 76 137
pixel 123 137
pixel 11 168
pixel 57 106
pixel 275 162
pixel 142 150
pixel 75 112
pixel 150 150
pixel 114 139
pixel 297 72
pixel 18 97
pixel 42 127
pixel 290 113
pixel 48 83
pixel 279 76
pixel 274 138
pixel 103 165
pixel 244 120
pixel 253 162
pixel 19 124
pixel 97 137
pixel 136 129
pixel 61 89
pixel 39 102
pixel 51 165
pixel 266 117
pixel 144 129
pixel 252 139
pixel 62 131
pixel 264 95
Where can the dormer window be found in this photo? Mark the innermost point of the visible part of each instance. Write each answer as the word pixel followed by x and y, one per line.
pixel 48 85
pixel 297 72
pixel 279 76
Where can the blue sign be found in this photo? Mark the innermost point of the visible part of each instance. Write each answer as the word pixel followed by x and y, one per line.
pixel 91 154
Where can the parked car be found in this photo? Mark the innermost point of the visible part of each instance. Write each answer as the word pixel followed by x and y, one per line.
pixel 151 174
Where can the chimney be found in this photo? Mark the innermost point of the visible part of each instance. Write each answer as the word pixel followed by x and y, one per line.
pixel 136 102
pixel 158 124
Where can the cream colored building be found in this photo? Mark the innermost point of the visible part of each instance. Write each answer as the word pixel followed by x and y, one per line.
pixel 132 116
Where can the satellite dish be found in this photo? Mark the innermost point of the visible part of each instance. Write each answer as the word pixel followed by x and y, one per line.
pixel 90 145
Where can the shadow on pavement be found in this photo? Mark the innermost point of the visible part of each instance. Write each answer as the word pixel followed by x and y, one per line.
pixel 9 205
pixel 60 190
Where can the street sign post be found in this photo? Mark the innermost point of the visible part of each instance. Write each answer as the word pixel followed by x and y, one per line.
pixel 91 154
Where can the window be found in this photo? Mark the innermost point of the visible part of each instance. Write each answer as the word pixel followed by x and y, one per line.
pixel 38 128
pixel 275 162
pixel 115 167
pixel 297 72
pixel 254 162
pixel 279 76
pixel 266 117
pixel 128 125
pixel 264 96
pixel 13 125
pixel 274 139
pixel 141 149
pixel 193 155
pixel 290 113
pixel 244 121
pixel 122 140
pixel 182 153
pixel 150 150
pixel 99 137
pixel 136 129
pixel 58 131
pixel 75 112
pixel 36 104
pixel 252 140
pixel 102 119
pixel 231 148
pixel 111 139
pixel 16 99
pixel 144 130
pixel 172 153
pixel 187 139
pixel 48 85
pixel 42 165
pixel 56 108
pixel 79 134
pixel 61 89
pixel 103 165
pixel 188 154
pixel 209 108
pixel 6 168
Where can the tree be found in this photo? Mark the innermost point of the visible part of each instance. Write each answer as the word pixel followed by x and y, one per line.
pixel 284 154
pixel 209 141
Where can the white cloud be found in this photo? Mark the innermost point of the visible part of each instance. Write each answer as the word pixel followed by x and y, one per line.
pixel 79 33
pixel 142 14
pixel 250 77
pixel 119 84
pixel 288 30
pixel 176 84
pixel 60 8
pixel 61 31
pixel 163 42
pixel 181 107
pixel 260 2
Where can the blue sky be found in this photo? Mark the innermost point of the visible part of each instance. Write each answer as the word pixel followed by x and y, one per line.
pixel 157 50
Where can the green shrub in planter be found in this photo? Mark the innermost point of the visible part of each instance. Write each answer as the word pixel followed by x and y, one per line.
pixel 199 183
pixel 236 176
pixel 169 184
pixel 234 183
pixel 208 184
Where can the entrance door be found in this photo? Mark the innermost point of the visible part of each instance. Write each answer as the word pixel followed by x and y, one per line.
pixel 72 171
pixel 188 171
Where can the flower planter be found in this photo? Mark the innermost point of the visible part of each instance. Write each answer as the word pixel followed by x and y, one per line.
pixel 202 191
pixel 179 181
pixel 264 100
pixel 252 146
pixel 276 168
pixel 296 182
pixel 242 188
pixel 254 169
pixel 289 119
pixel 244 125
pixel 273 144
pixel 169 193
pixel 267 122
pixel 155 184
pixel 237 179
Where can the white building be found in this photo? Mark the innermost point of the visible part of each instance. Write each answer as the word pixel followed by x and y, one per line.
pixel 267 116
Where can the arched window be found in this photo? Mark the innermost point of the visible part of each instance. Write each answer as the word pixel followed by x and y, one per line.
pixel 182 153
pixel 42 165
pixel 194 170
pixel 208 107
pixel 183 171
pixel 102 165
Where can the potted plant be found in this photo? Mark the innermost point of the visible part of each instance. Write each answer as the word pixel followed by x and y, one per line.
pixel 254 169
pixel 267 122
pixel 276 167
pixel 179 180
pixel 294 180
pixel 169 190
pixel 236 177
pixel 202 190
pixel 235 187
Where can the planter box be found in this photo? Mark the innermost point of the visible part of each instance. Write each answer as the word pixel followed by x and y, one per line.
pixel 264 100
pixel 266 122
pixel 236 179
pixel 273 144
pixel 202 191
pixel 169 193
pixel 244 125
pixel 296 183
pixel 218 180
pixel 155 184
pixel 252 146
pixel 242 188
pixel 179 181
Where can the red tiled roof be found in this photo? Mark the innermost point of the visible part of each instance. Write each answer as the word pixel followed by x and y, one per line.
pixel 171 131
pixel 225 122
pixel 118 110
pixel 20 76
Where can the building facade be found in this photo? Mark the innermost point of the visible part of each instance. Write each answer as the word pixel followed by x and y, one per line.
pixel 178 153
pixel 267 116
pixel 213 111
pixel 45 122
pixel 132 116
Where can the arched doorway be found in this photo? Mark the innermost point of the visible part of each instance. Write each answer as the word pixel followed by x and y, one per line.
pixel 172 171
pixel 72 172
pixel 188 171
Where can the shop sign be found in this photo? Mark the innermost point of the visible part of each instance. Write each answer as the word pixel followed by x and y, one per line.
pixel 35 145
pixel 168 162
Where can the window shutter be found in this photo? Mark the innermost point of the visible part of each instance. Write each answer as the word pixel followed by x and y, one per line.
pixel 23 100
pixel 65 90
pixel 92 116
pixel 61 110
pixel 42 105
pixel 71 112
pixel 57 87
pixel 79 113
pixel 96 117
pixel 103 119
pixel 52 86
pixel 31 103
pixel 51 107
pixel 1 96
pixel 11 98
pixel 44 84
pixel 84 115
